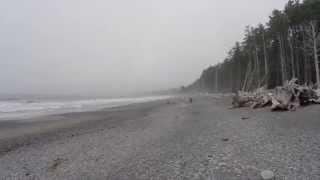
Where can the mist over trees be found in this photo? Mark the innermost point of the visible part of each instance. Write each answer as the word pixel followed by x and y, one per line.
pixel 286 47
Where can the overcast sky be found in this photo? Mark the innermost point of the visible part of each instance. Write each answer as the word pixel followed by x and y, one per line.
pixel 117 46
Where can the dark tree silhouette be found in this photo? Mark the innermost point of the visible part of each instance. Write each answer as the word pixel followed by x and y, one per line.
pixel 287 46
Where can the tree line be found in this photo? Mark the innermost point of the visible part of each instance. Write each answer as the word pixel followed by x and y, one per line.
pixel 286 47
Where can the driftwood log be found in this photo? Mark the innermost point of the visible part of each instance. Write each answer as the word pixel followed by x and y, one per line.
pixel 284 98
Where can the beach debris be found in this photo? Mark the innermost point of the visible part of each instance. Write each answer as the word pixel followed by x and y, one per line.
pixel 318 92
pixel 267 175
pixel 245 118
pixel 284 98
pixel 27 171
pixel 190 100
pixel 56 162
pixel 225 139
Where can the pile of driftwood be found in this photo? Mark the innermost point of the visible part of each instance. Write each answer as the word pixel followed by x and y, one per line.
pixel 287 97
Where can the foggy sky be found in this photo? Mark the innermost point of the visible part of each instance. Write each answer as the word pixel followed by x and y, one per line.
pixel 117 46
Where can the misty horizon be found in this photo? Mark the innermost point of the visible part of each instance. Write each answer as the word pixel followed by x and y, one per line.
pixel 117 47
pixel 160 89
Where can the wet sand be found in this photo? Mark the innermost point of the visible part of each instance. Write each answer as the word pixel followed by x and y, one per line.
pixel 160 140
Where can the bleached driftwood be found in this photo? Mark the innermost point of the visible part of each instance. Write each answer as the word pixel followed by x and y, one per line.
pixel 287 97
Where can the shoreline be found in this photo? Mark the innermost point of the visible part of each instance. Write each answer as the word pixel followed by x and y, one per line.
pixel 165 140
pixel 34 108
pixel 22 132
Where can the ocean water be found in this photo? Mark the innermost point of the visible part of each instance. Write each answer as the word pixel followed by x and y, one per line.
pixel 12 109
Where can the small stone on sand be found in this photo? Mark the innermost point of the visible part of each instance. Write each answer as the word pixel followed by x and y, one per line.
pixel 267 175
pixel 225 139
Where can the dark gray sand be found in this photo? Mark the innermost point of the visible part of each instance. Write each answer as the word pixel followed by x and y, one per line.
pixel 164 140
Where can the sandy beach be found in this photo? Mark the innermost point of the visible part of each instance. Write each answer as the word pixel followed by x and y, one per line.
pixel 164 140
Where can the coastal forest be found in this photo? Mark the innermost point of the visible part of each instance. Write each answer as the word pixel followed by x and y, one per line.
pixel 286 47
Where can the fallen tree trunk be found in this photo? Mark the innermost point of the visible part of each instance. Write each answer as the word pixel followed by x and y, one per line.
pixel 284 98
pixel 241 100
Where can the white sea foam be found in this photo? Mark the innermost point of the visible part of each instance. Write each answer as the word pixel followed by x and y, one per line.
pixel 17 109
